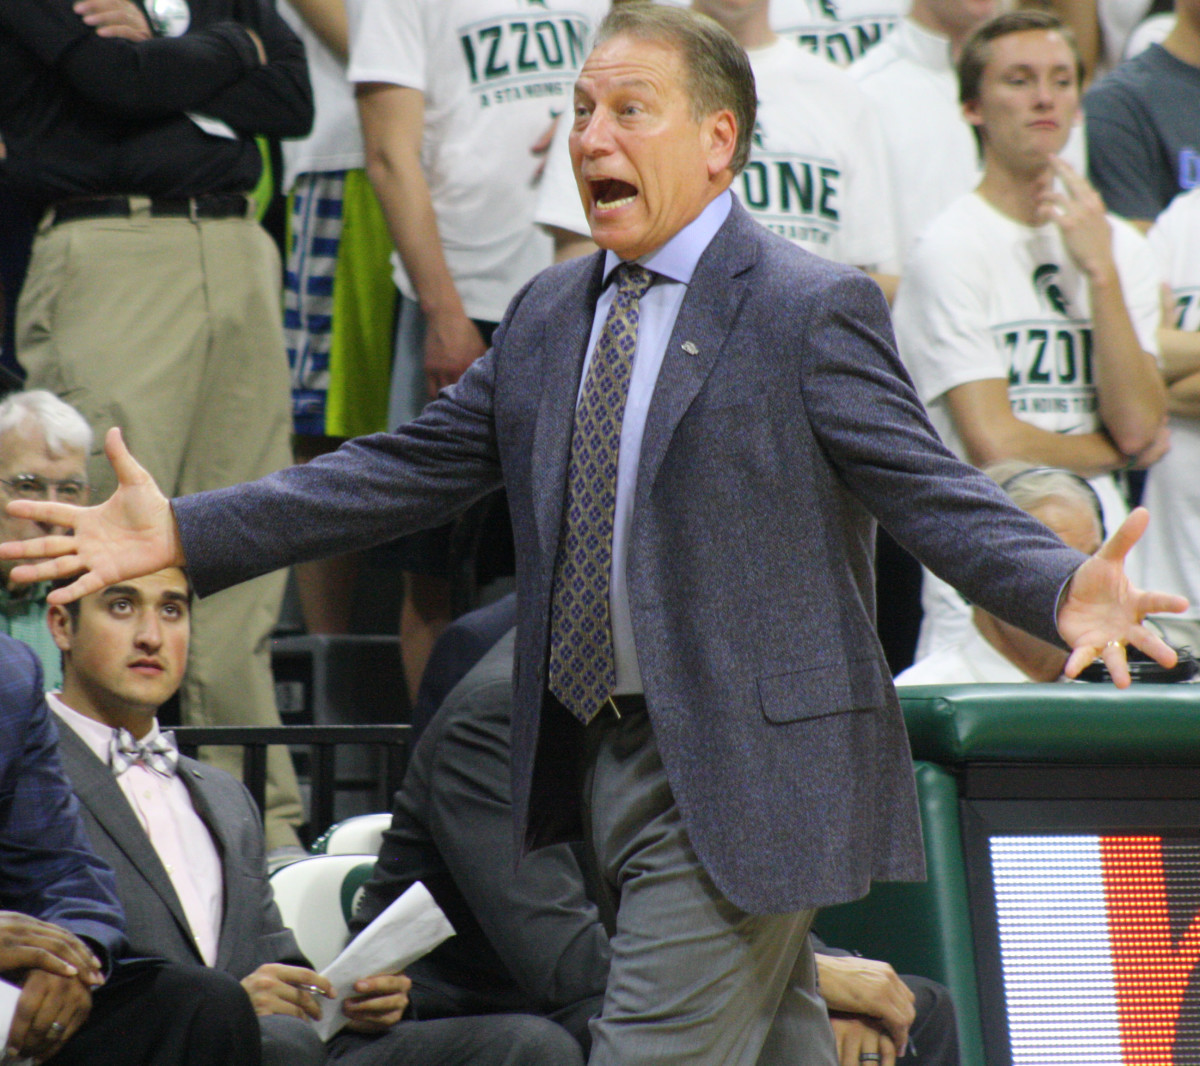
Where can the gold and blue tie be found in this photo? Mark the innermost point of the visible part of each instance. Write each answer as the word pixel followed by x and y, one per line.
pixel 583 670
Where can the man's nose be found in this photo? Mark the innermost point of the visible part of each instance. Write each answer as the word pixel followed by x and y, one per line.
pixel 149 631
pixel 595 137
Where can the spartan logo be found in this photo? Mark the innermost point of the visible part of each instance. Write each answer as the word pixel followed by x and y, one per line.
pixel 1045 281
pixel 537 3
pixel 829 9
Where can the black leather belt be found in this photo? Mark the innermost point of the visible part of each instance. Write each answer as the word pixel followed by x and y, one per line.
pixel 211 205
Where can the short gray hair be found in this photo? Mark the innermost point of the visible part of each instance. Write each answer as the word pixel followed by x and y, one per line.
pixel 719 77
pixel 1030 486
pixel 63 428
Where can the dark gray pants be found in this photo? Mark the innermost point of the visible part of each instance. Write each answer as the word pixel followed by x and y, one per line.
pixel 694 979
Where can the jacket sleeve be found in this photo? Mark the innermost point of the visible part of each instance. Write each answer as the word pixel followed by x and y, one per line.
pixel 148 79
pixel 47 868
pixel 275 98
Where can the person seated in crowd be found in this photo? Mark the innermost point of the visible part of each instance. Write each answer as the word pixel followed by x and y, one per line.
pixel 44 445
pixel 532 938
pixel 817 173
pixel 1143 123
pixel 992 650
pixel 1027 315
pixel 62 930
pixel 186 841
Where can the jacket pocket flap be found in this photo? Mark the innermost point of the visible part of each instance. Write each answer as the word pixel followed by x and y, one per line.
pixel 817 691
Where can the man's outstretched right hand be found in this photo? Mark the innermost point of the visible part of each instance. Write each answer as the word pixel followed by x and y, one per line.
pixel 130 534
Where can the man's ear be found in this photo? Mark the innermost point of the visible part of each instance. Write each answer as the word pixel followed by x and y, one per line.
pixel 721 140
pixel 60 624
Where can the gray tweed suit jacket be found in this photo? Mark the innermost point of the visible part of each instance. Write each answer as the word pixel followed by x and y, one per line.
pixel 252 932
pixel 774 441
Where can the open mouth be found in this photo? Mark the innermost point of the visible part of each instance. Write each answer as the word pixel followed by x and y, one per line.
pixel 609 193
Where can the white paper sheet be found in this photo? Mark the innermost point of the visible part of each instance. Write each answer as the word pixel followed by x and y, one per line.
pixel 411 926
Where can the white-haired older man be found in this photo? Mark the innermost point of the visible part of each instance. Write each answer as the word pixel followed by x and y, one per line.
pixel 44 445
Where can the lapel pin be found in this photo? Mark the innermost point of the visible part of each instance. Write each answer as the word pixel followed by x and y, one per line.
pixel 690 348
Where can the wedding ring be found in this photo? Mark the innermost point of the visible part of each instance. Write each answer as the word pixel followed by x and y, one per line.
pixel 870 1056
pixel 56 1030
pixel 1114 644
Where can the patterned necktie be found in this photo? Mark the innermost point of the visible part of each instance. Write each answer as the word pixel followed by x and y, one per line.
pixel 159 754
pixel 583 670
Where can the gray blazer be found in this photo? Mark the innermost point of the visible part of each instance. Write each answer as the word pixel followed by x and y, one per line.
pixel 252 932
pixel 773 442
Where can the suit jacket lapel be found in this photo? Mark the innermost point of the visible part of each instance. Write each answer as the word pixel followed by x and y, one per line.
pixel 717 288
pixel 99 792
pixel 568 326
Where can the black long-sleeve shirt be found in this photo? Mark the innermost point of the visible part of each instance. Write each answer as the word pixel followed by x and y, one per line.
pixel 83 115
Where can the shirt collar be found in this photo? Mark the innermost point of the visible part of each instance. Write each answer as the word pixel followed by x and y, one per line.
pixel 94 734
pixel 677 258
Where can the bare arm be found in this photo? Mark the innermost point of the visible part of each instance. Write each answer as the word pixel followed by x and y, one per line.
pixel 1181 366
pixel 1129 390
pixel 393 119
pixel 991 432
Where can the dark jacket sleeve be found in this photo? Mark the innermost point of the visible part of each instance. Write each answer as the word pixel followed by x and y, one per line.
pixel 275 98
pixel 159 77
pixel 47 868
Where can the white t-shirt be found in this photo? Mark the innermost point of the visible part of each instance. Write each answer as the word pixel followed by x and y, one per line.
pixel 932 157
pixel 335 142
pixel 493 74
pixel 1167 557
pixel 816 172
pixel 972 661
pixel 985 297
pixel 838 30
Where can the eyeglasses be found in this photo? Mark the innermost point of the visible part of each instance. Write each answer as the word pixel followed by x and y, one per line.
pixel 35 487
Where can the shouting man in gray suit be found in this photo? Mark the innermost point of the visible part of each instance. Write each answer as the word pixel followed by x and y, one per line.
pixel 697 428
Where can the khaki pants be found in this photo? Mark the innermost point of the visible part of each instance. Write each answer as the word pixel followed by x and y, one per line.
pixel 171 329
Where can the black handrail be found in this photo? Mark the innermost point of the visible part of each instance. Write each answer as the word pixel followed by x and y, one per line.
pixel 322 740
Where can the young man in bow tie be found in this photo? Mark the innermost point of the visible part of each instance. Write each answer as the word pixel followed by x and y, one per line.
pixel 186 843
pixel 185 840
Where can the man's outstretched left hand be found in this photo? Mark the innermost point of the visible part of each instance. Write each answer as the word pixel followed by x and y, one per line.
pixel 1102 612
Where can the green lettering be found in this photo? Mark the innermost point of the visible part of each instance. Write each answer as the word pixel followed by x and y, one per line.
pixel 547 34
pixel 524 63
pixel 493 69
pixel 755 189
pixel 1065 343
pixel 576 42
pixel 1012 342
pixel 829 178
pixel 469 52
pixel 1038 338
pixel 789 183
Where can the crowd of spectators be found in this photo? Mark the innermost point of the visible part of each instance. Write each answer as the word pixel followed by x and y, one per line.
pixel 1025 199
